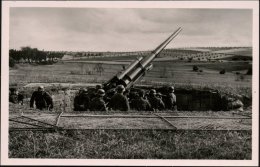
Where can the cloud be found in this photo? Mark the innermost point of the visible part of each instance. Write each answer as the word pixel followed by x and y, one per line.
pixel 103 29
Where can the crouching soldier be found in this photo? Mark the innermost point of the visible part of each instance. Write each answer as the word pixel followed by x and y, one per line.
pixel 156 103
pixel 81 100
pixel 141 104
pixel 235 104
pixel 42 99
pixel 15 97
pixel 98 103
pixel 119 101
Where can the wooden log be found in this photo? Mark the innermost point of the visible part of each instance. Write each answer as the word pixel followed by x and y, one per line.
pixel 161 117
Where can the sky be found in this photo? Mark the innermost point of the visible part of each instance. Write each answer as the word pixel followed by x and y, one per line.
pixel 104 29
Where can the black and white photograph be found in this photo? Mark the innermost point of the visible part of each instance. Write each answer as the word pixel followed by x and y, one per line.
pixel 130 83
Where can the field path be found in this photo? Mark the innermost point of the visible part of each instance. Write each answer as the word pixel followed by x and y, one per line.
pixel 139 121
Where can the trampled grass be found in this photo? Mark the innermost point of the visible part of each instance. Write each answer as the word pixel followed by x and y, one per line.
pixel 131 144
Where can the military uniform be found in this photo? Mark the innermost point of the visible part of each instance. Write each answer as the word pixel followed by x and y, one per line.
pixel 156 103
pixel 13 98
pixel 170 101
pixel 98 104
pixel 119 102
pixel 140 104
pixel 42 100
pixel 81 102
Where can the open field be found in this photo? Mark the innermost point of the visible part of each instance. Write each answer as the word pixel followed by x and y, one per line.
pixel 237 51
pixel 183 54
pixel 163 73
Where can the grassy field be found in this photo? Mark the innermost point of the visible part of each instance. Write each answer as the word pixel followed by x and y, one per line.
pixel 164 72
pixel 131 144
pixel 237 51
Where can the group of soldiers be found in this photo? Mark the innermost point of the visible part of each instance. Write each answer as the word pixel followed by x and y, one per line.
pixel 123 100
pixel 99 100
pixel 40 98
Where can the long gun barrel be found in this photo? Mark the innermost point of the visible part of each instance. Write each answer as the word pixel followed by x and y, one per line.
pixel 138 68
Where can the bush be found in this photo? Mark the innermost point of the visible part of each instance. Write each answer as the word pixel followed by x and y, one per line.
pixel 223 71
pixel 195 68
pixel 11 62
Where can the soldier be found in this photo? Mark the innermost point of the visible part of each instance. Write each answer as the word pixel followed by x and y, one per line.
pixel 42 99
pixel 139 103
pixel 119 101
pixel 159 95
pixel 93 93
pixel 20 98
pixel 156 103
pixel 235 104
pixel 81 100
pixel 98 87
pixel 170 99
pixel 98 103
pixel 15 97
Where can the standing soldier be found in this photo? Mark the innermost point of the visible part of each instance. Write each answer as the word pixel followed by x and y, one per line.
pixel 81 100
pixel 42 99
pixel 98 103
pixel 170 99
pixel 156 103
pixel 139 103
pixel 119 101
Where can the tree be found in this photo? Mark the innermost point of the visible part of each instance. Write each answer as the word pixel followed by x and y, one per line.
pixel 11 62
pixel 27 51
pixel 15 55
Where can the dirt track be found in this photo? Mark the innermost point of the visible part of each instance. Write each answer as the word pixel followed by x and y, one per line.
pixel 115 120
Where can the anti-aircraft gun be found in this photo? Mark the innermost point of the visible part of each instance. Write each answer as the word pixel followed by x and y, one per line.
pixel 137 68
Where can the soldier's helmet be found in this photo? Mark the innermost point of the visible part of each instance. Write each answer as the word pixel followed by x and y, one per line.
pixel 101 92
pixel 153 91
pixel 98 87
pixel 159 94
pixel 40 88
pixel 120 88
pixel 13 90
pixel 171 89
pixel 84 90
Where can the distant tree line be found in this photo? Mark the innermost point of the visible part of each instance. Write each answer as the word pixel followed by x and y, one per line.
pixel 33 55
